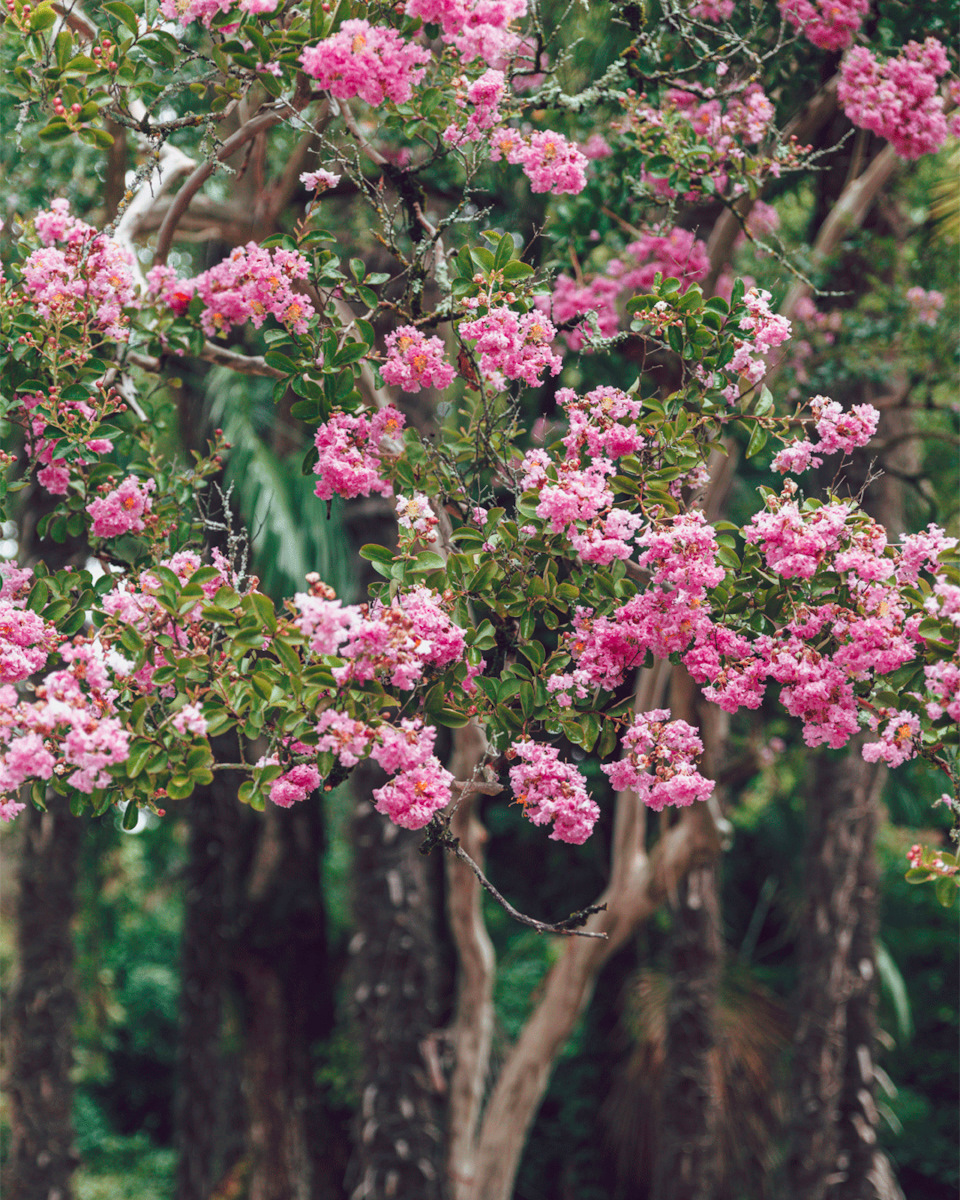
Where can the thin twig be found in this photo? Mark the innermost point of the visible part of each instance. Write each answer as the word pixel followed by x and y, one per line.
pixel 570 926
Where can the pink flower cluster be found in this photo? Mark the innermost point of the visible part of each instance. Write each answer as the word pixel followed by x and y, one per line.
pixel 350 450
pixel 248 286
pixel 765 329
pixel 421 785
pixel 549 160
pixel 673 612
pixel 927 305
pixel 551 790
pixel 898 737
pixel 943 687
pixel 69 727
pixel 839 430
pixel 603 425
pixel 398 642
pixel 369 61
pixel 658 762
pixel 89 280
pixel 712 10
pixel 477 28
pixel 484 94
pixel 134 602
pixel 416 514
pixel 513 345
pixel 795 544
pixel 122 509
pixel 829 24
pixel 415 361
pixel 26 641
pixel 39 412
pixel 897 98
pixel 295 785
pixel 186 11
pixel 319 181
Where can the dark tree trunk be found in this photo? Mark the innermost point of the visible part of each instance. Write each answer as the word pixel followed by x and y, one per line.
pixel 687 1155
pixel 687 1166
pixel 397 991
pixel 257 1000
pixel 209 1107
pixel 40 1017
pixel 834 1155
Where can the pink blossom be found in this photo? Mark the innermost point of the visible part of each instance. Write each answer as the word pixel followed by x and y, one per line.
pixel 898 738
pixel 295 785
pixel 415 361
pixel 325 623
pixel 26 641
pixel 843 430
pixel 89 280
pixel 249 285
pixel 122 510
pixel 350 453
pixel 369 61
pixel 319 181
pixel 343 736
pixel 552 791
pixel 403 747
pixel 399 642
pixel 484 94
pixel 416 514
pixel 829 24
pixel 411 798
pixel 658 762
pixel 189 719
pixel 513 345
pixel 927 304
pixel 712 10
pixel 897 98
pixel 477 28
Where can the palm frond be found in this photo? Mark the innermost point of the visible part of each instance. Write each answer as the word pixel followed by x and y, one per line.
pixel 290 530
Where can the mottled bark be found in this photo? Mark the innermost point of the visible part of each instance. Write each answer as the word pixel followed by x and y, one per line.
pixel 208 1133
pixel 686 1158
pixel 834 1155
pixel 687 1147
pixel 256 1001
pixel 40 1016
pixel 397 989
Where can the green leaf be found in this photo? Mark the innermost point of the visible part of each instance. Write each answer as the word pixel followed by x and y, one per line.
pixel 758 439
pixel 659 166
pixel 131 815
pixel 505 249
pixel 377 554
pixel 123 12
pixel 946 889
pixel 140 751
pixel 450 718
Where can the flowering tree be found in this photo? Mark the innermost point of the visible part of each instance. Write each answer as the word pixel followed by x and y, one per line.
pixel 539 573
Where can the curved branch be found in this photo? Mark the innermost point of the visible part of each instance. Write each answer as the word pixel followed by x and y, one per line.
pixel 220 356
pixel 181 202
